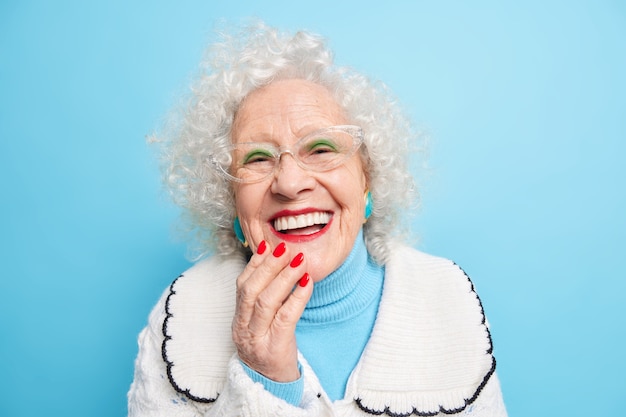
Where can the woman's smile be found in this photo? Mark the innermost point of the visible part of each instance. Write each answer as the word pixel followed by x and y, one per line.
pixel 302 225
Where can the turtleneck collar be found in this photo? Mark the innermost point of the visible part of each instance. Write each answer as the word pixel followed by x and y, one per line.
pixel 348 290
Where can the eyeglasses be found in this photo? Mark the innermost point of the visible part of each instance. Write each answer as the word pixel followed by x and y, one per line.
pixel 319 151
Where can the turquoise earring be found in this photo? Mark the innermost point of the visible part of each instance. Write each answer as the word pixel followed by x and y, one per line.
pixel 239 232
pixel 369 203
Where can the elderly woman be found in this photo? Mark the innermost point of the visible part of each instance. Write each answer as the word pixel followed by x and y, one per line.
pixel 293 172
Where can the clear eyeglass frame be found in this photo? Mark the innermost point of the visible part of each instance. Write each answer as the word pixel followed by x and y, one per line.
pixel 337 144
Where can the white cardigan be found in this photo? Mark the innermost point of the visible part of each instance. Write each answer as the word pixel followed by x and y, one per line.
pixel 430 350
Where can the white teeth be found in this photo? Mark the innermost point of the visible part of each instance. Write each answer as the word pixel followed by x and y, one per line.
pixel 300 221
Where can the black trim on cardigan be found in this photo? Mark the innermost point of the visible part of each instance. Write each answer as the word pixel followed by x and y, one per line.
pixel 469 401
pixel 170 364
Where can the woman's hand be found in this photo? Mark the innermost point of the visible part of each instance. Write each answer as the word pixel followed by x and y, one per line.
pixel 268 309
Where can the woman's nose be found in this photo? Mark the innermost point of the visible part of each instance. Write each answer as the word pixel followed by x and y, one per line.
pixel 290 180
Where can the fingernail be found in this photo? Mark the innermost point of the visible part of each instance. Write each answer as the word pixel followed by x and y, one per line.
pixel 304 280
pixel 261 248
pixel 295 262
pixel 280 249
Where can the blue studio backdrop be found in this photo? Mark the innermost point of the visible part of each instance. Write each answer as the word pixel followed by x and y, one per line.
pixel 525 107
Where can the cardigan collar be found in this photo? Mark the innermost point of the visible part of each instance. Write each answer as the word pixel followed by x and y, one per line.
pixel 430 321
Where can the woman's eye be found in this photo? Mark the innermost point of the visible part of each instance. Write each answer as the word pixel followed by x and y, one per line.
pixel 257 156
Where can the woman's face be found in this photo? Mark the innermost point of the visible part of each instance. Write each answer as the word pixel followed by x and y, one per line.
pixel 281 113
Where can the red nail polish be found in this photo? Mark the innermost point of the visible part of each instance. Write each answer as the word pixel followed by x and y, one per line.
pixel 261 248
pixel 295 262
pixel 280 249
pixel 304 280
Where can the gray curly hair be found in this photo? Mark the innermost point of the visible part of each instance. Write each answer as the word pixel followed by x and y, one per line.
pixel 242 62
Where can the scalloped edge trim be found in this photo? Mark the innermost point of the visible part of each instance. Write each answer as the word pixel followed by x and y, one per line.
pixel 170 364
pixel 469 401
pixel 429 413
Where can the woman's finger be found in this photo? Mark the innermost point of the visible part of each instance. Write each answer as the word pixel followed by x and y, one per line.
pixel 291 310
pixel 261 270
pixel 269 301
pixel 253 263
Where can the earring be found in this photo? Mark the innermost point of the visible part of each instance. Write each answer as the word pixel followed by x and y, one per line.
pixel 239 232
pixel 369 203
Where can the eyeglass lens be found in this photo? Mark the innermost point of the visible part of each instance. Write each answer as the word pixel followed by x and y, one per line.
pixel 318 152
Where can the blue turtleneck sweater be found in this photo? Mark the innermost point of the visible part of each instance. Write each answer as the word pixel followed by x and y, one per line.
pixel 336 325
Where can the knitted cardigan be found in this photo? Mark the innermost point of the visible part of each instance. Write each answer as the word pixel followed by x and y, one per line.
pixel 430 351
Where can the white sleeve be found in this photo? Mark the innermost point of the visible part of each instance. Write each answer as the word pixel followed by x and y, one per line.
pixel 244 397
pixel 489 403
pixel 152 395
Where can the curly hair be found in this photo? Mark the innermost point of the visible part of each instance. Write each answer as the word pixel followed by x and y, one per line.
pixel 235 66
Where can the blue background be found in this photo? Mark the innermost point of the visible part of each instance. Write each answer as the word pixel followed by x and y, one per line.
pixel 525 103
